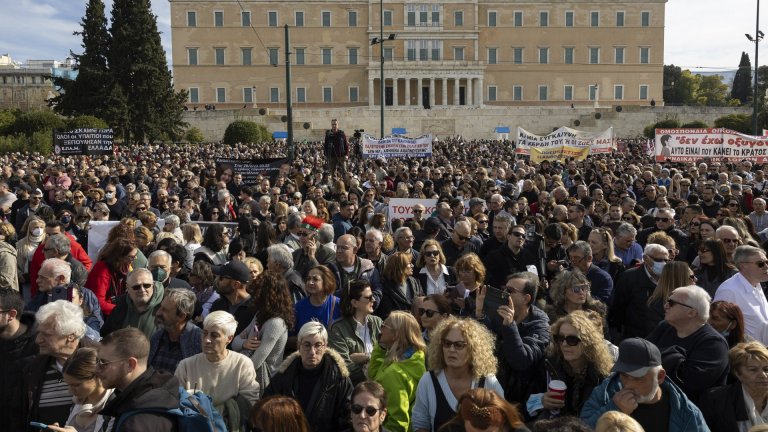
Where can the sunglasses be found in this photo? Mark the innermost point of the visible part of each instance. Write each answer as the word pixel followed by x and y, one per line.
pixel 451 344
pixel 662 219
pixel 145 286
pixel 578 289
pixel 518 234
pixel 728 241
pixel 428 312
pixel 367 298
pixel 570 340
pixel 461 237
pixel 672 303
pixel 431 253
pixel 695 223
pixel 369 410
pixel 759 264
pixel 704 250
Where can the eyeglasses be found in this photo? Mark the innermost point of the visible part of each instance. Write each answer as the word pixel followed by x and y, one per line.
pixel 518 234
pixel 145 286
pixel 318 346
pixel 369 410
pixel 660 259
pixel 662 219
pixel 759 264
pixel 569 340
pixel 695 223
pixel 672 302
pixel 305 234
pixel 431 253
pixel 366 298
pixel 728 241
pixel 428 312
pixel 483 221
pixel 461 237
pixel 578 289
pixel 458 345
pixel 101 364
pixel 704 250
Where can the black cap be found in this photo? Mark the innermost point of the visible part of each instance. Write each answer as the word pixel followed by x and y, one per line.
pixel 431 225
pixel 636 357
pixel 234 270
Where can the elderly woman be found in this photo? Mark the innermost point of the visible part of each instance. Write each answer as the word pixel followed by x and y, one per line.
pixel 741 405
pixel 432 311
pixel 33 235
pixel 570 291
pixel 222 374
pixel 461 357
pixel 397 363
pixel 107 277
pixel 317 377
pixel 320 305
pixel 434 276
pixel 727 318
pixel 399 287
pixel 577 356
pixel 354 335
pixel 470 273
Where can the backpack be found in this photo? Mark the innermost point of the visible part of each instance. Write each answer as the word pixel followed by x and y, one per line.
pixel 195 413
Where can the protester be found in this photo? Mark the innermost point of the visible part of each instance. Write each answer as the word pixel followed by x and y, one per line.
pixel 484 409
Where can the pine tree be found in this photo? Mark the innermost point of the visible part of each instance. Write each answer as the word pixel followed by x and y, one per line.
pixel 742 82
pixel 148 106
pixel 87 94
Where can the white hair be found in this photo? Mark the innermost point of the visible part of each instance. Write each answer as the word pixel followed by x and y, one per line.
pixel 67 318
pixel 221 320
pixel 312 328
pixel 281 255
pixel 58 267
pixel 698 299
pixel 653 247
pixel 671 211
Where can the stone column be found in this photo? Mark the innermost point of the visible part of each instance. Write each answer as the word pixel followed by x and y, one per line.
pixel 394 91
pixel 407 92
pixel 481 93
pixel 445 91
pixel 469 93
pixel 418 93
pixel 456 84
pixel 370 92
pixel 432 92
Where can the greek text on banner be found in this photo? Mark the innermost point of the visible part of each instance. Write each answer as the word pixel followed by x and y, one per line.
pixel 691 145
pixel 393 147
pixel 596 142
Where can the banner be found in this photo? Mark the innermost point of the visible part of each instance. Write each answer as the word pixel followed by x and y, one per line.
pixel 539 155
pixel 691 145
pixel 395 147
pixel 83 142
pixel 250 169
pixel 402 208
pixel 594 142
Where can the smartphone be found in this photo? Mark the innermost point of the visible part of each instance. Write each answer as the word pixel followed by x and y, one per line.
pixel 494 298
pixel 451 292
pixel 60 293
pixel 38 425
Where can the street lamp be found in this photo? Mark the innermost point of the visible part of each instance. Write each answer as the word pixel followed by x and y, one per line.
pixel 758 37
pixel 380 41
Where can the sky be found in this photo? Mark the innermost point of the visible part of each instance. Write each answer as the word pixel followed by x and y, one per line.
pixel 698 33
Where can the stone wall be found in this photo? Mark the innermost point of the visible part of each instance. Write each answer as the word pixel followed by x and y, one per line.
pixel 480 123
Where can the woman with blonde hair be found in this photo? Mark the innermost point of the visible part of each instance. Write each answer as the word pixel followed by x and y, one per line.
pixel 617 421
pixel 675 274
pixel 460 357
pixel 601 242
pixel 399 287
pixel 570 291
pixel 397 363
pixel 570 234
pixel 434 276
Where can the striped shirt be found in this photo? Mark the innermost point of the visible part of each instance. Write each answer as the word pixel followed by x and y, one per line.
pixel 55 399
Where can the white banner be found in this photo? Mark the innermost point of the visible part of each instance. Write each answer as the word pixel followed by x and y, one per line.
pixel 597 142
pixel 395 147
pixel 402 208
pixel 691 145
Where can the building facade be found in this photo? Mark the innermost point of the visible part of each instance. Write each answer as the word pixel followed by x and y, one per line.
pixel 444 53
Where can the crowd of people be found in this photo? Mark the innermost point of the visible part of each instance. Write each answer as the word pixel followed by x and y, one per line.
pixel 615 293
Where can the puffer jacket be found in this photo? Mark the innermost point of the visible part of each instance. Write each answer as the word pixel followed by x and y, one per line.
pixel 328 408
pixel 8 269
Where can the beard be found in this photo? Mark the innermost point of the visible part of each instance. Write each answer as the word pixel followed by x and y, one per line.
pixel 644 399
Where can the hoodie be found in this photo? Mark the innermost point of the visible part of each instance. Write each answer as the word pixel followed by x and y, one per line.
pixel 125 314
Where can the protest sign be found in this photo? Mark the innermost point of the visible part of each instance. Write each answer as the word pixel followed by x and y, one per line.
pixel 394 147
pixel 594 142
pixel 691 145
pixel 402 208
pixel 250 169
pixel 83 142
pixel 538 155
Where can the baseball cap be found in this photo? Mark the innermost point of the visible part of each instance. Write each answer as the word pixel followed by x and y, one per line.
pixel 636 357
pixel 234 270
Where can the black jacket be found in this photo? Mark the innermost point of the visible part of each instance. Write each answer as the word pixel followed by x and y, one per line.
pixel 628 310
pixel 15 353
pixel 724 407
pixel 450 278
pixel 503 262
pixel 152 389
pixel 328 408
pixel 392 298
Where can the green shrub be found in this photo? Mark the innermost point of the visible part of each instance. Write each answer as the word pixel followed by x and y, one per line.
pixel 37 121
pixel 244 131
pixel 738 122
pixel 86 122
pixel 650 130
pixel 7 118
pixel 41 142
pixel 194 135
pixel 696 124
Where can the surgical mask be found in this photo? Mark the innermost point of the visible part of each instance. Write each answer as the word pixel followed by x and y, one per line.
pixel 109 195
pixel 159 274
pixel 37 232
pixel 66 220
pixel 658 267
pixel 370 215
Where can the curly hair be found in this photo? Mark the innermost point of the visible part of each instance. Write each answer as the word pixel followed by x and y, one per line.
pixel 272 299
pixel 480 344
pixel 595 350
pixel 565 280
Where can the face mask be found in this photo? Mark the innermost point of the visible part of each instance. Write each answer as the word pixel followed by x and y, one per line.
pixel 658 267
pixel 66 220
pixel 109 195
pixel 159 275
pixel 370 215
pixel 37 232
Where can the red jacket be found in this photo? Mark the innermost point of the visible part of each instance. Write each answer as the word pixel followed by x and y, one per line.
pixel 38 257
pixel 106 285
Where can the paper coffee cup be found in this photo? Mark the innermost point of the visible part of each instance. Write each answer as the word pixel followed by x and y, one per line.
pixel 558 387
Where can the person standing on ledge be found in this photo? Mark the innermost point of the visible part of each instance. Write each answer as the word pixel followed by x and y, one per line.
pixel 336 148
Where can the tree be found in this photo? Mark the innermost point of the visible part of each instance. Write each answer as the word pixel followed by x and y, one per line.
pixel 87 94
pixel 672 90
pixel 695 124
pixel 194 135
pixel 738 122
pixel 713 92
pixel 245 131
pixel 86 122
pixel 742 82
pixel 147 106
pixel 37 121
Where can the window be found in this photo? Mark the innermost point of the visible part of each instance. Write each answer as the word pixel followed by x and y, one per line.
pixel 218 18
pixel 543 19
pixel 327 52
pixel 543 92
pixel 300 56
pixel 411 15
pixel 387 17
pixel 192 56
pixel 491 93
pixel 352 18
pixel 248 94
pixel 458 53
pixel 592 92
pixel 645 19
pixel 273 53
pixel 435 15
pixel 245 18
pixel 301 94
pixel 594 55
pixel 569 18
pixel 326 18
pixel 423 50
pixel 353 94
pixel 620 19
pixel 272 18
pixel 618 92
pixel 491 18
pixel 191 19
pixel 517 55
pixel 219 56
pixel 594 19
pixel 618 55
pixel 327 94
pixel 274 94
pixel 352 52
pixel 543 55
pixel 411 50
pixel 517 18
pixel 437 47
pixel 221 94
pixel 644 92
pixel 423 15
pixel 517 93
pixel 458 18
pixel 492 56
pixel 568 55
pixel 246 54
pixel 299 18
pixel 194 95
pixel 645 54
pixel 388 54
pixel 568 92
